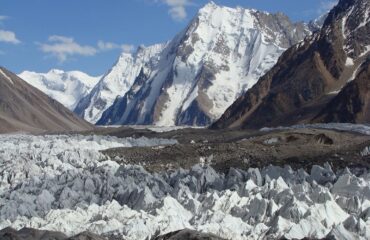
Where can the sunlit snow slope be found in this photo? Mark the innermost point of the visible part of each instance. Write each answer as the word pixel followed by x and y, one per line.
pixel 67 88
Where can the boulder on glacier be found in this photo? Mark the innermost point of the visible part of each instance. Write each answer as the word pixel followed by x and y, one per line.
pixel 187 234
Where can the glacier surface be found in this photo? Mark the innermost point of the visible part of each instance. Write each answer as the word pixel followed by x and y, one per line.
pixel 64 183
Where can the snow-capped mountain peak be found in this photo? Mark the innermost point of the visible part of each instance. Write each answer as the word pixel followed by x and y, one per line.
pixel 221 54
pixel 210 4
pixel 56 71
pixel 116 82
pixel 66 87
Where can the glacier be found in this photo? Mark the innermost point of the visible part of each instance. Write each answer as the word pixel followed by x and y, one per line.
pixel 63 183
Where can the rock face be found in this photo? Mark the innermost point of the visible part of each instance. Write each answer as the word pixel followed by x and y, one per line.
pixel 117 81
pixel 25 108
pixel 196 76
pixel 66 87
pixel 323 79
pixel 352 103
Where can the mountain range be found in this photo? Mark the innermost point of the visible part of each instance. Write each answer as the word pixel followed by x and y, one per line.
pixel 232 67
pixel 192 79
pixel 322 79
pixel 202 71
pixel 287 179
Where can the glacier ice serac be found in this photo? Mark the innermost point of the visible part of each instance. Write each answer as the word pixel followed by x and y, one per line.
pixel 66 87
pixel 63 183
pixel 193 78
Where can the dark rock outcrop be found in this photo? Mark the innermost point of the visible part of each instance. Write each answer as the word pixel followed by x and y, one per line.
pixel 187 235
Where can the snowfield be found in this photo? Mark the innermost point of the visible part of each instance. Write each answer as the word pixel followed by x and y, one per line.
pixel 66 87
pixel 64 183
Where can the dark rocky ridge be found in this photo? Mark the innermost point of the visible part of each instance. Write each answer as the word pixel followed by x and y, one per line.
pixel 298 88
pixel 34 234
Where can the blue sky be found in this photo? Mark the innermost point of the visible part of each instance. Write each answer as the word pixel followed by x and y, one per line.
pixel 88 35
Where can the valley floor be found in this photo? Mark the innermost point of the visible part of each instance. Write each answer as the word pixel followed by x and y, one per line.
pixel 119 183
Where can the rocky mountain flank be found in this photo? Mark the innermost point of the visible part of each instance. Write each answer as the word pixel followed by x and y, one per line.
pixel 194 78
pixel 323 79
pixel 25 108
